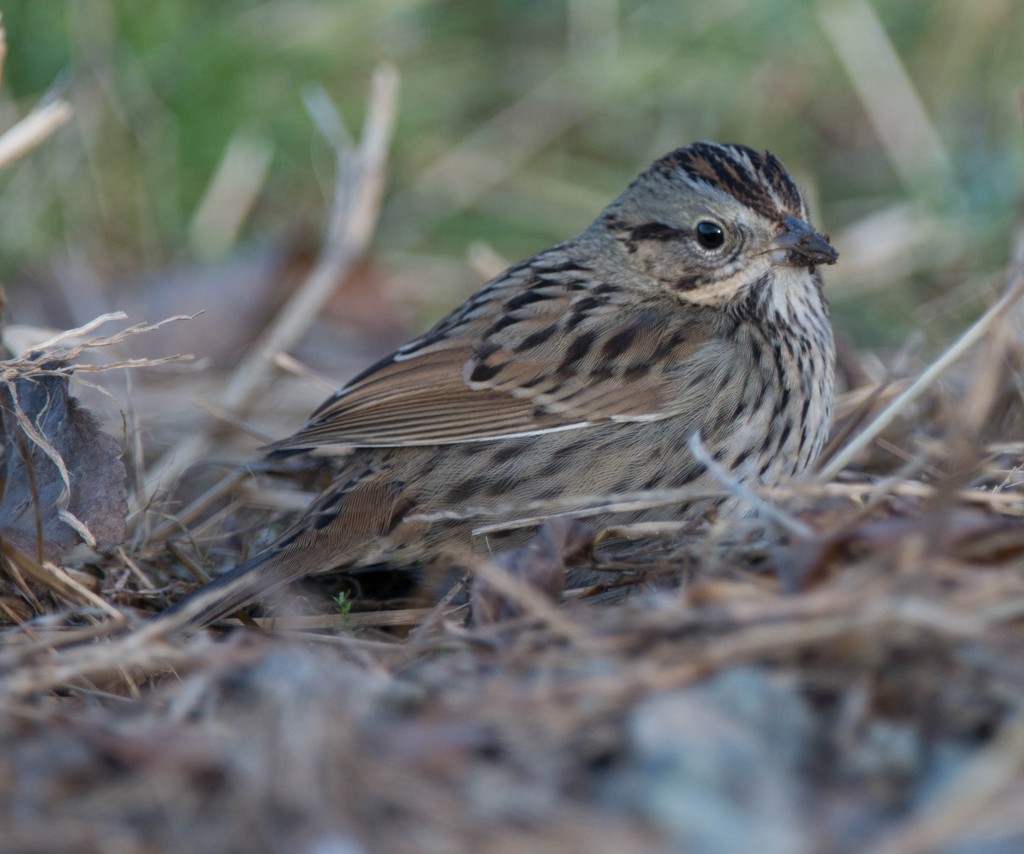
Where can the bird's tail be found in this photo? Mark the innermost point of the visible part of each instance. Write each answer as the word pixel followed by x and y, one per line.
pixel 242 586
pixel 342 525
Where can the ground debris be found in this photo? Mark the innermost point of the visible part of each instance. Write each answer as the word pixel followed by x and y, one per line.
pixel 64 482
pixel 691 718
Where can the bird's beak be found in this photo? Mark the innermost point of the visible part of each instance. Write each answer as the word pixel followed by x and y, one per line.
pixel 801 246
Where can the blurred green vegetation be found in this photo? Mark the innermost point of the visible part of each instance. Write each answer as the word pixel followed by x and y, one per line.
pixel 600 87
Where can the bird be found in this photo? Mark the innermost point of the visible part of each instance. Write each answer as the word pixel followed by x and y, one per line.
pixel 692 306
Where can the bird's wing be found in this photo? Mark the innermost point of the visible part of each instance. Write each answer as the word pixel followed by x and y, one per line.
pixel 541 356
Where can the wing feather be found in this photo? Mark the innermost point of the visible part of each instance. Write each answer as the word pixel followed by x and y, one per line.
pixel 555 361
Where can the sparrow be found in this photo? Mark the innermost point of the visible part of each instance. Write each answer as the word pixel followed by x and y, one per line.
pixel 692 305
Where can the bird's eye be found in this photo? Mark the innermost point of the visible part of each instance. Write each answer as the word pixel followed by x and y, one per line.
pixel 710 235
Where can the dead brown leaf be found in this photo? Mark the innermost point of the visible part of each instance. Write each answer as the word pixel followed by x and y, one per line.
pixel 64 480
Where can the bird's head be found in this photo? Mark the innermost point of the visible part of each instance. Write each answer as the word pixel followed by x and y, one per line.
pixel 709 222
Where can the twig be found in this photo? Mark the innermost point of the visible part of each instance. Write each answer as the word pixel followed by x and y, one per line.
pixel 922 383
pixel 70 343
pixel 350 228
pixel 353 217
pixel 352 221
pixel 744 493
pixel 230 195
pixel 56 580
pixel 19 140
pixel 346 622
